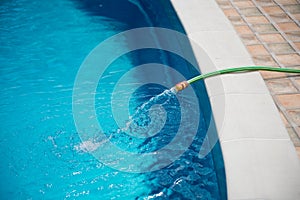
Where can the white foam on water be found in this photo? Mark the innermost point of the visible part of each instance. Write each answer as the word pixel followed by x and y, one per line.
pixel 140 125
pixel 89 146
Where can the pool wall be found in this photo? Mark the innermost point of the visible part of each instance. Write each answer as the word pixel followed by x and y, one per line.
pixel 260 159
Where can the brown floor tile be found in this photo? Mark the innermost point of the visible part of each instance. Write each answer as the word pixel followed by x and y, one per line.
pixel 295 9
pixel 257 20
pixel 289 59
pixel 249 39
pixel 264 60
pixel 272 9
pixel 281 48
pixel 236 20
pixel 231 12
pixel 265 2
pixel 250 11
pixel 296 16
pixel 257 50
pixel 289 27
pixel 294 115
pixel 287 2
pixel 281 86
pixel 297 44
pixel 243 4
pixel 243 30
pixel 264 28
pixel 289 101
pixel 224 4
pixel 294 36
pixel 271 38
pixel 280 17
pixel 272 75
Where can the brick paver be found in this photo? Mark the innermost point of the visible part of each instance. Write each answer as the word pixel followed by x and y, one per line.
pixel 264 28
pixel 243 30
pixel 250 12
pixel 272 9
pixel 264 60
pixel 272 75
pixel 243 4
pixel 295 116
pixel 270 30
pixel 297 44
pixel 287 2
pixel 265 2
pixel 251 39
pixel 288 27
pixel 257 50
pixel 289 60
pixel 256 20
pixel 289 101
pixel 296 16
pixel 272 38
pixel 281 48
pixel 280 17
pixel 281 85
pixel 294 36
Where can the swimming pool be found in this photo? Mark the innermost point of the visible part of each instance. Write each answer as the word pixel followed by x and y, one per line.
pixel 43 44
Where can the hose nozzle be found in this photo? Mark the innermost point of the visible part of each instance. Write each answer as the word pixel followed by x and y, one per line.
pixel 181 86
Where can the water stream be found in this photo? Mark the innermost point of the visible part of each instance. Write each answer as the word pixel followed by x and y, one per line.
pixel 150 117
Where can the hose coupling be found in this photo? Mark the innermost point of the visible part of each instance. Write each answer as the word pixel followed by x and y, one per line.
pixel 181 86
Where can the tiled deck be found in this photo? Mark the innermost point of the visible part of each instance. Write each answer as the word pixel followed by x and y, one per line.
pixel 270 30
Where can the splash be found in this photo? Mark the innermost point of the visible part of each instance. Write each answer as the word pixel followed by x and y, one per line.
pixel 89 146
pixel 150 117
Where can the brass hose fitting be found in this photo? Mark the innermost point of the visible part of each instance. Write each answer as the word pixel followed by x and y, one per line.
pixel 181 86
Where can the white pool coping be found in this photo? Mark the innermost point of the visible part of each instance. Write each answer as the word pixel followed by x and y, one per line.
pixel 260 159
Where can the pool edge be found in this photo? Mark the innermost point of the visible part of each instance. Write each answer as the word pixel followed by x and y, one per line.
pixel 260 159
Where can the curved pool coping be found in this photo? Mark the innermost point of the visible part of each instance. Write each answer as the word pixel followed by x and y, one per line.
pixel 260 159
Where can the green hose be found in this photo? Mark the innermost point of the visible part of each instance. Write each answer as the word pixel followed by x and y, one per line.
pixel 182 85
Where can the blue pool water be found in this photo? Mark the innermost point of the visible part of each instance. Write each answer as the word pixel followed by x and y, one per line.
pixel 42 46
